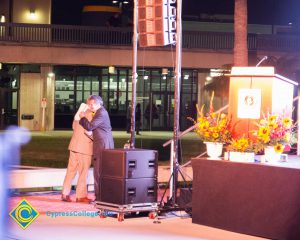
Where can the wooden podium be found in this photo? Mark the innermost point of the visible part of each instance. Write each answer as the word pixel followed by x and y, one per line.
pixel 257 90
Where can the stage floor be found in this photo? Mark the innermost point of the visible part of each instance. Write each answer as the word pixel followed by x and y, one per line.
pixel 174 225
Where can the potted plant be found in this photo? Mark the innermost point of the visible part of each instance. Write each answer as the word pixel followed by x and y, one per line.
pixel 274 135
pixel 241 149
pixel 213 129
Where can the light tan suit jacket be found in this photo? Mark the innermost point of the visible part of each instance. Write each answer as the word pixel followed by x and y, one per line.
pixel 81 151
pixel 80 142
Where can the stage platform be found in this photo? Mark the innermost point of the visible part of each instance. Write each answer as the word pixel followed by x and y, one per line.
pixel 22 177
pixel 172 226
pixel 261 199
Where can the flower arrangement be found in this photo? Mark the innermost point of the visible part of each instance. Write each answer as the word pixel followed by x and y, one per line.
pixel 274 130
pixel 213 127
pixel 241 144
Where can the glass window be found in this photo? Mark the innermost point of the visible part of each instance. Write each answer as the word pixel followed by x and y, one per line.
pixel 123 72
pixel 116 89
pixel 104 82
pixel 63 83
pixel 105 71
pixel 129 83
pixel 113 101
pixel 64 95
pixel 186 80
pixel 122 83
pixel 104 97
pixel 122 101
pixel 87 84
pixel 171 83
pixel 79 98
pixel 95 84
pixel 79 84
pixel 64 101
pixel 30 68
pixel 86 94
pixel 113 83
pixel 14 104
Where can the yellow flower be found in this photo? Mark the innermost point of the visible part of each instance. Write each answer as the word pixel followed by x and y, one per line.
pixel 287 122
pixel 279 148
pixel 263 132
pixel 206 134
pixel 212 126
pixel 287 137
pixel 213 115
pixel 242 144
pixel 273 125
pixel 215 135
pixel 272 118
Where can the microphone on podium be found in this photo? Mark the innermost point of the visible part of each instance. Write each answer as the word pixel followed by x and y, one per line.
pixel 263 59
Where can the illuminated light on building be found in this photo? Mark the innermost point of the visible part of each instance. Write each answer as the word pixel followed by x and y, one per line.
pixel 111 69
pixel 32 14
pixel 164 71
pixel 51 74
pixel 208 78
pixel 2 18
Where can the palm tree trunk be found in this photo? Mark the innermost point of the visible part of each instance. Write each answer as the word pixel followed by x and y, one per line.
pixel 240 54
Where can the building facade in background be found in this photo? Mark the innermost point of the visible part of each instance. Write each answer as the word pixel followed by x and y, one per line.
pixel 58 67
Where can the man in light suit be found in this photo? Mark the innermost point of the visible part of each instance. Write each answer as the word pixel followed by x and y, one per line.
pixel 102 135
pixel 81 150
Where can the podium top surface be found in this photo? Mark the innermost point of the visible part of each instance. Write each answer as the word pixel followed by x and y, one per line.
pixel 258 72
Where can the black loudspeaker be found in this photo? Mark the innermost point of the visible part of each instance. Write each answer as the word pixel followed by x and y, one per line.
pixel 129 163
pixel 123 191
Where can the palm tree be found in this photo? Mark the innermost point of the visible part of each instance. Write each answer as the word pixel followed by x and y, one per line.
pixel 240 52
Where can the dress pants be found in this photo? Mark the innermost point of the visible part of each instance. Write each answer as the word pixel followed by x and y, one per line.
pixel 77 163
pixel 97 175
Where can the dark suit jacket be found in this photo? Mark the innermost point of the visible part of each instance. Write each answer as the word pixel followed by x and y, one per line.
pixel 102 135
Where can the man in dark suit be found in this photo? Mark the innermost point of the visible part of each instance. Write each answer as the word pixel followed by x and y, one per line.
pixel 102 135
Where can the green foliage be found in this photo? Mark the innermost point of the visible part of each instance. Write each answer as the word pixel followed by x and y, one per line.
pixel 51 149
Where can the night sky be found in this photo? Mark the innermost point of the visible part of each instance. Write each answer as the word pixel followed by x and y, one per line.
pixel 279 12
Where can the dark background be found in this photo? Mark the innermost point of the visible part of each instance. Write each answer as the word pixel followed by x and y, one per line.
pixel 278 12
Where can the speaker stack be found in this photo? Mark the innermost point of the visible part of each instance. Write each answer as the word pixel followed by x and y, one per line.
pixel 129 176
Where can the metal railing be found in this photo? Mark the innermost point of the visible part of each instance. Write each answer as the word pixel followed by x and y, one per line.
pixel 83 35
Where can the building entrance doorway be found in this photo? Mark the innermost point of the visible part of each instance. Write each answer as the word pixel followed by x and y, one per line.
pixel 8 107
pixel 162 110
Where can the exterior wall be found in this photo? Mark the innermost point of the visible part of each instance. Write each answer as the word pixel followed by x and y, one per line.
pixel 34 87
pixel 30 99
pixel 48 86
pixel 21 11
pixel 4 9
pixel 112 56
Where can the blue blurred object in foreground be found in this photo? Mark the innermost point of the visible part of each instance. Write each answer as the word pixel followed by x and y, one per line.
pixel 10 142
